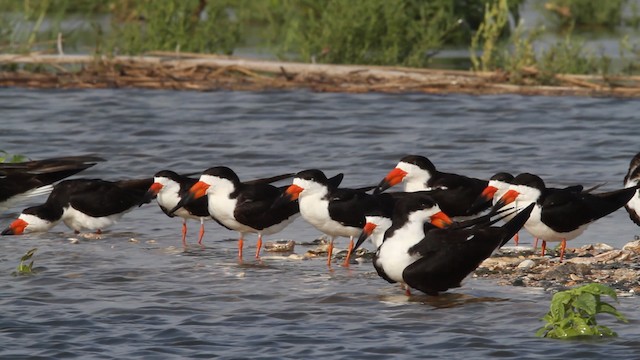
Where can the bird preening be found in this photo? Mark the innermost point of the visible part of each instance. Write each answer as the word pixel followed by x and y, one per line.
pixel 428 237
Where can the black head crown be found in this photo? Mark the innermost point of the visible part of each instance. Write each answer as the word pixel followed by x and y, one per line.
pixel 420 161
pixel 167 174
pixel 312 175
pixel 410 204
pixel 223 172
pixel 504 177
pixel 529 180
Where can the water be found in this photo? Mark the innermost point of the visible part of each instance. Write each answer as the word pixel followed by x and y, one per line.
pixel 116 298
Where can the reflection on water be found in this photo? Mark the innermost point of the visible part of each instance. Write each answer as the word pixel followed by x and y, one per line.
pixel 136 293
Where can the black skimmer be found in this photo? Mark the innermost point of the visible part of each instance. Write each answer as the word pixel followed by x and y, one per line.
pixel 168 188
pixel 498 185
pixel 245 207
pixel 333 211
pixel 82 204
pixel 425 251
pixel 454 193
pixel 560 214
pixel 632 179
pixel 19 181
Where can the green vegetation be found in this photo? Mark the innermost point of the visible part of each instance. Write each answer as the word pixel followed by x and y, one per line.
pixel 573 313
pixel 11 158
pixel 378 32
pixel 589 14
pixel 187 25
pixel 23 268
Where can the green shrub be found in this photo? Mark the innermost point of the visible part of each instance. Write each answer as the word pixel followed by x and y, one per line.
pixel 573 313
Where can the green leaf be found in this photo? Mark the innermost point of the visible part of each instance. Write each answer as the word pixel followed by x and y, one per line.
pixel 581 327
pixel 605 331
pixel 557 310
pixel 606 308
pixel 563 297
pixel 28 255
pixel 542 332
pixel 586 302
pixel 598 289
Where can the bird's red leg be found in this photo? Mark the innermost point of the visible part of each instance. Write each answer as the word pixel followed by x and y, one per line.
pixel 346 260
pixel 240 244
pixel 201 235
pixel 563 247
pixel 259 246
pixel 330 252
pixel 184 233
pixel 516 239
pixel 544 247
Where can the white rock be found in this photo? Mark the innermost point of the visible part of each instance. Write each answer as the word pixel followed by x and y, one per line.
pixel 633 246
pixel 527 264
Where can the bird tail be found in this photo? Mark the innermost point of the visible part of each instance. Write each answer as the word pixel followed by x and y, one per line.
pixel 604 204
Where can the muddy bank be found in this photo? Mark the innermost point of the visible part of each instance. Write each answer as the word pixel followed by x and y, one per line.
pixel 210 73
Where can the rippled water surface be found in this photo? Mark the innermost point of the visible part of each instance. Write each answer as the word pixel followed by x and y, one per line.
pixel 149 298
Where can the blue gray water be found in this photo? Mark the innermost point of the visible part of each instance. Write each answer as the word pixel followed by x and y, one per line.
pixel 137 294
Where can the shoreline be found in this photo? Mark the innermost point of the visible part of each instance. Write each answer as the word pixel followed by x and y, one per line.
pixel 198 72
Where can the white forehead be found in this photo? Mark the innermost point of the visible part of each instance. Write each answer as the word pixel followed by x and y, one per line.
pixel 410 169
pixel 309 186
pixel 210 179
pixel 498 184
pixel 526 192
pixel 164 181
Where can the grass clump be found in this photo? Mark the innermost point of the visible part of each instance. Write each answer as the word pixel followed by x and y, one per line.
pixel 572 313
pixel 361 31
pixel 587 13
pixel 24 268
pixel 174 25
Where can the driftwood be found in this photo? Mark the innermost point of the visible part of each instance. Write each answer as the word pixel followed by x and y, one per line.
pixel 181 71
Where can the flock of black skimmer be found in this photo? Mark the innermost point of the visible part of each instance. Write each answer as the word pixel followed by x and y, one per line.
pixel 428 237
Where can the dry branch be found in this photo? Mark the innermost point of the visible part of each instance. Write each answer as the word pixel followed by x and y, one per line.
pixel 188 71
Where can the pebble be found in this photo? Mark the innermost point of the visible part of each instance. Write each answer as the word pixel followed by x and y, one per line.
pixel 280 246
pixel 527 264
pixel 90 236
pixel 600 263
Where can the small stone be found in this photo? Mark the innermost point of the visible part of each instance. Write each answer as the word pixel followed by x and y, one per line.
pixel 296 257
pixel 613 255
pixel 602 247
pixel 575 277
pixel 90 236
pixel 561 272
pixel 500 262
pixel 151 241
pixel 280 246
pixel 518 282
pixel 132 240
pixel 74 240
pixel 527 264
